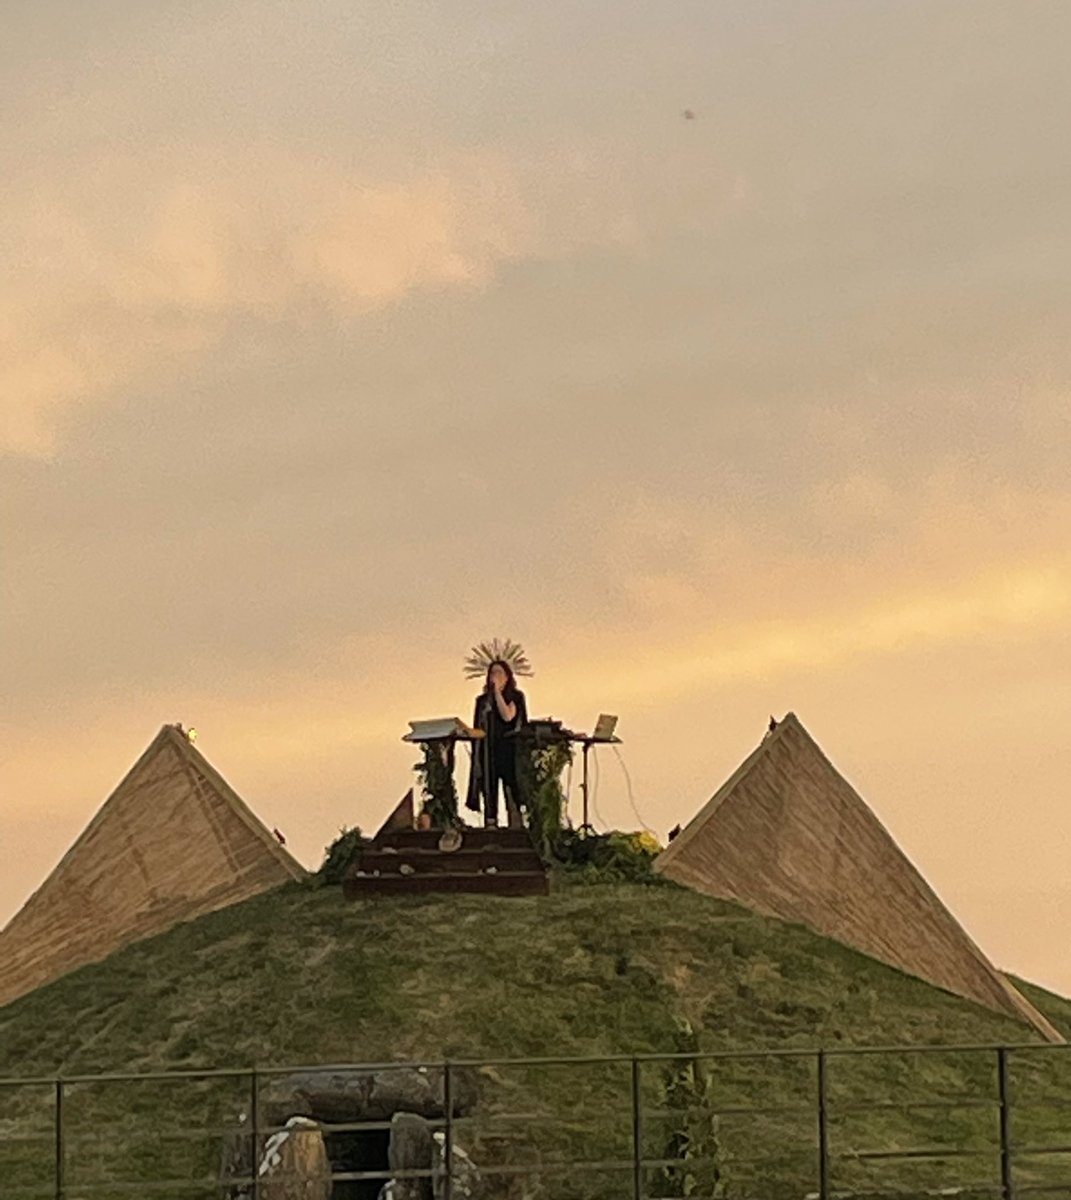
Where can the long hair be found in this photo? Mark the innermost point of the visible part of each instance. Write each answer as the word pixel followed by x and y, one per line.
pixel 509 692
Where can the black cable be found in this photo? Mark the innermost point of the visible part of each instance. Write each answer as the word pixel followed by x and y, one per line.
pixel 631 798
pixel 595 788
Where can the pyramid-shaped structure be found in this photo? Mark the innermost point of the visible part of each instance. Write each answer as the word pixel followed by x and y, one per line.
pixel 172 842
pixel 788 836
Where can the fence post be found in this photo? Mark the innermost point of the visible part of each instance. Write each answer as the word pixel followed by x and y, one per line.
pixel 823 1127
pixel 448 1132
pixel 637 1132
pixel 60 1163
pixel 1007 1187
pixel 254 1139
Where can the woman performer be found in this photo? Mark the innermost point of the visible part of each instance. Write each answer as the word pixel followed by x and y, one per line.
pixel 501 712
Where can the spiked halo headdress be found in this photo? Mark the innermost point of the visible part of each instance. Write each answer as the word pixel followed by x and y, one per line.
pixel 483 655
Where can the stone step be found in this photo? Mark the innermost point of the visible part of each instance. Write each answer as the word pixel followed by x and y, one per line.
pixel 472 837
pixel 422 862
pixel 501 883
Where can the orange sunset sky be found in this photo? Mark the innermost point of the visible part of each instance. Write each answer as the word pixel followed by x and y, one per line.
pixel 337 336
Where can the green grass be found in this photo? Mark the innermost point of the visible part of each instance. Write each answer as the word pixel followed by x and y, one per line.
pixel 301 976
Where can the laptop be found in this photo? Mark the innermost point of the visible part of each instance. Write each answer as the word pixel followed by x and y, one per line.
pixel 604 728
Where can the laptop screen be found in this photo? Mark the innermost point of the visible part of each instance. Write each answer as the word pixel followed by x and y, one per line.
pixel 604 727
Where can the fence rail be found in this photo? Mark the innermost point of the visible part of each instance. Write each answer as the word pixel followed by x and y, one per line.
pixel 814 1143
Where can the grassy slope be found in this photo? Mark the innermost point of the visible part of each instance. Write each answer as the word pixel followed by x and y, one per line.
pixel 301 976
pixel 1056 1008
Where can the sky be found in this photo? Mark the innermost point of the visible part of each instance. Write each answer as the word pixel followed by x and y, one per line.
pixel 337 337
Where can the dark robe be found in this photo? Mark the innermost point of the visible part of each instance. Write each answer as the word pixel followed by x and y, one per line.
pixel 500 748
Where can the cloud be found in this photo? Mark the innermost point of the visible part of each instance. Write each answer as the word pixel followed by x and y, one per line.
pixel 1026 601
pixel 123 269
pixel 109 290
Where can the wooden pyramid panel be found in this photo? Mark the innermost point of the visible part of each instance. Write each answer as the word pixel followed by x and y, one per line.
pixel 171 843
pixel 789 837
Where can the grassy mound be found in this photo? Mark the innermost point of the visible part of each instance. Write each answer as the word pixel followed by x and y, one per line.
pixel 300 976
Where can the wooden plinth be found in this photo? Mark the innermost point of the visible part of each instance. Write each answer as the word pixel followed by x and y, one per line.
pixel 497 862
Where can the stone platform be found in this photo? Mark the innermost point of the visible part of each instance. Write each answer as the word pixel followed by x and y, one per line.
pixel 401 862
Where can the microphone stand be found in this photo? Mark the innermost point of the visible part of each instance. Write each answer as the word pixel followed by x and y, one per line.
pixel 488 701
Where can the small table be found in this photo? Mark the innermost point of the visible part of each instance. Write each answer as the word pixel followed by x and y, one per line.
pixel 551 733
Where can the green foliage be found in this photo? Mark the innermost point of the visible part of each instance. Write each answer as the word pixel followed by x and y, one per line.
pixel 437 786
pixel 692 1136
pixel 608 857
pixel 589 857
pixel 338 856
pixel 539 774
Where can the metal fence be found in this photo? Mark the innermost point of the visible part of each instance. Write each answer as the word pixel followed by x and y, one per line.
pixel 858 1122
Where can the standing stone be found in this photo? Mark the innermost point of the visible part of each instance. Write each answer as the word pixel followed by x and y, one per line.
pixel 411 1149
pixel 295 1164
pixel 466 1179
pixel 236 1165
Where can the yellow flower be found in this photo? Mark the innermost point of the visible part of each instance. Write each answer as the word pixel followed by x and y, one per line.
pixel 648 841
pixel 642 842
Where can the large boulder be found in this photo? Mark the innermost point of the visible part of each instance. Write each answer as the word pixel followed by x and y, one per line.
pixel 343 1096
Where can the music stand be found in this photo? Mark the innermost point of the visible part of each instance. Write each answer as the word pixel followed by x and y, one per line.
pixel 447 731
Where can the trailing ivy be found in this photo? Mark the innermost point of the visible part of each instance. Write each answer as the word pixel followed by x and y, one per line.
pixel 692 1138
pixel 539 775
pixel 338 856
pixel 437 786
